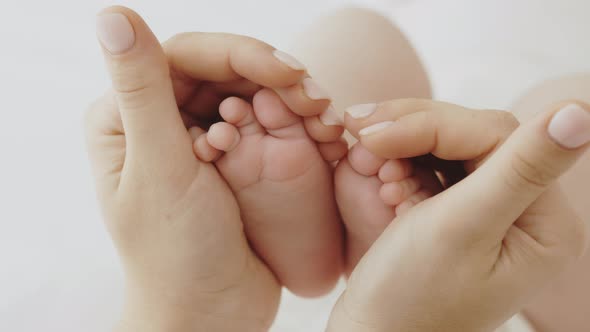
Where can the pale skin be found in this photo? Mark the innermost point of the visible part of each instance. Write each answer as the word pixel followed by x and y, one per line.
pixel 147 184
pixel 387 55
pixel 172 217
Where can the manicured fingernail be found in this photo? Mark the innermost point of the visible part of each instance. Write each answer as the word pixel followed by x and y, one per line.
pixel 375 128
pixel 361 111
pixel 313 90
pixel 115 32
pixel 570 127
pixel 289 60
pixel 331 117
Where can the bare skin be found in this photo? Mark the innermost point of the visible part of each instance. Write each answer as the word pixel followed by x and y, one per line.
pixel 384 66
pixel 563 306
pixel 331 49
pixel 282 180
pixel 174 220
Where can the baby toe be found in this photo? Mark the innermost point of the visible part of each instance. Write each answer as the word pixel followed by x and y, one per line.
pixel 326 127
pixel 204 151
pixel 333 151
pixel 240 113
pixel 394 193
pixel 223 136
pixel 395 170
pixel 363 161
pixel 278 120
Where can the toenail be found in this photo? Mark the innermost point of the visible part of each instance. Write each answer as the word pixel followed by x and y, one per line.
pixel 375 128
pixel 361 111
pixel 331 117
pixel 314 91
pixel 289 60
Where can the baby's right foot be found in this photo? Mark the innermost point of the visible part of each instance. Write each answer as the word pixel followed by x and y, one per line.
pixel 371 192
pixel 278 166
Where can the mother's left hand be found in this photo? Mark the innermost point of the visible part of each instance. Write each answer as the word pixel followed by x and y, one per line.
pixel 472 256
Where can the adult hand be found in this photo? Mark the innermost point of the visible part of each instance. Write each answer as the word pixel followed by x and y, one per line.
pixel 472 256
pixel 174 221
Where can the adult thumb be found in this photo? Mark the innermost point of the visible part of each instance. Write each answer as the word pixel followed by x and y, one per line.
pixel 141 82
pixel 521 170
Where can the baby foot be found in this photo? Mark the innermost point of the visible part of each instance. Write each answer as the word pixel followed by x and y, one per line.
pixel 372 191
pixel 283 182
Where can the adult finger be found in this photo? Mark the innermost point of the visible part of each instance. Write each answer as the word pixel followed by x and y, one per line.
pixel 521 170
pixel 141 82
pixel 408 128
pixel 501 190
pixel 222 57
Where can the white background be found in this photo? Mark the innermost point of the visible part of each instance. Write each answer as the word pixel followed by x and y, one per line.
pixel 58 270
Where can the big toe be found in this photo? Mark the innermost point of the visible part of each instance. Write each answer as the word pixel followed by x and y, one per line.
pixel 278 120
pixel 363 212
pixel 363 161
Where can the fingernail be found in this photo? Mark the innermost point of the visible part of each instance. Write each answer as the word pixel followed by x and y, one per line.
pixel 313 90
pixel 115 32
pixel 375 128
pixel 570 127
pixel 289 60
pixel 331 117
pixel 361 111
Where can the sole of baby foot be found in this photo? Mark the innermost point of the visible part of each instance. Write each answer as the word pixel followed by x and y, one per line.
pixel 371 192
pixel 283 181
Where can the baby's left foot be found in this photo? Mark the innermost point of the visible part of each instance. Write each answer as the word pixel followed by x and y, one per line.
pixel 372 191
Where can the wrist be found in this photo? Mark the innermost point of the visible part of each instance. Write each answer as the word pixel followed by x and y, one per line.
pixel 157 308
pixel 206 316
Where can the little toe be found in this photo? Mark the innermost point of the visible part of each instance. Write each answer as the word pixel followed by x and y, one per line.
pixel 363 161
pixel 394 193
pixel 395 170
pixel 306 98
pixel 325 128
pixel 204 151
pixel 333 151
pixel 240 113
pixel 223 136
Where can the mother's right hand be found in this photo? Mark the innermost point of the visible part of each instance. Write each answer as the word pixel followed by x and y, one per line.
pixel 472 256
pixel 175 223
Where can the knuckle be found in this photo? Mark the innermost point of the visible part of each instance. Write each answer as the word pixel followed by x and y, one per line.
pixel 526 174
pixel 138 91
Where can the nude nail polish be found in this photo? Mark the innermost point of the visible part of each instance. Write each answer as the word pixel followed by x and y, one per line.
pixel 375 128
pixel 361 111
pixel 570 127
pixel 289 60
pixel 331 117
pixel 115 32
pixel 313 90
